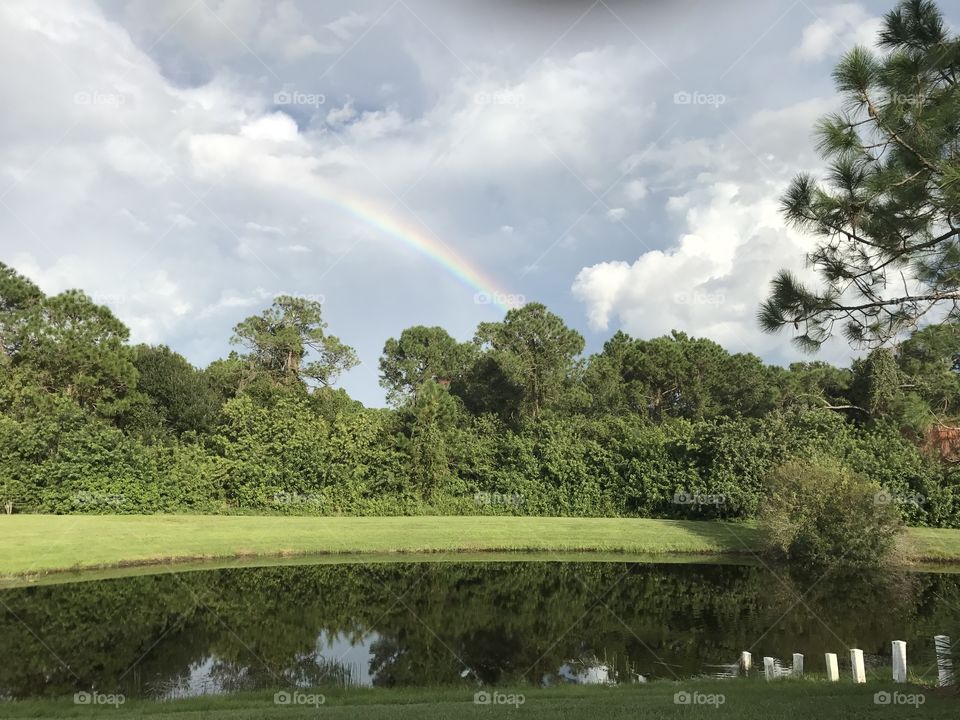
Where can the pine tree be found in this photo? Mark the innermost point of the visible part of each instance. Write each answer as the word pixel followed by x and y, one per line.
pixel 887 212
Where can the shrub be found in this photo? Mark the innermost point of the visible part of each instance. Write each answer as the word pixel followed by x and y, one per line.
pixel 818 512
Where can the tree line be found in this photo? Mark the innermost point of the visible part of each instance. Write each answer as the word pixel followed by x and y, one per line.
pixel 517 420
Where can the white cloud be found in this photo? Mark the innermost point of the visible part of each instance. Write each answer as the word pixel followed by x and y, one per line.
pixel 635 190
pixel 229 29
pixel 710 283
pixel 269 229
pixel 131 157
pixel 837 29
pixel 712 280
pixel 341 115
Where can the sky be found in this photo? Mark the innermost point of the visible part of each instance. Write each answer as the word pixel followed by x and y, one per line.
pixel 415 162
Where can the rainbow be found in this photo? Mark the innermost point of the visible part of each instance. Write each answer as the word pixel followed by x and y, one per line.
pixel 487 290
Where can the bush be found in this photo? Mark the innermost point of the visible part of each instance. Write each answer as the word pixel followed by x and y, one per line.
pixel 818 512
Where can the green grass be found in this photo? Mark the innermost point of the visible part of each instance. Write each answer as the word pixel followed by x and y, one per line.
pixel 934 544
pixel 39 544
pixel 742 699
pixel 45 543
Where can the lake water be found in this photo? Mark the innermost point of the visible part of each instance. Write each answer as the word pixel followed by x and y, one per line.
pixel 470 623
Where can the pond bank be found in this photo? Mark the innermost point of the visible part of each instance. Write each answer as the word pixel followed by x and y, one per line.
pixel 32 545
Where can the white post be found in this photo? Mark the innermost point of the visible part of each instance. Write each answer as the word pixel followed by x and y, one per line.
pixel 899 661
pixel 746 662
pixel 833 670
pixel 797 665
pixel 944 663
pixel 769 669
pixel 856 661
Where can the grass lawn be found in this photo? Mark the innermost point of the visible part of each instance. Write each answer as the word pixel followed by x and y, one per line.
pixel 44 543
pixel 744 699
pixel 38 544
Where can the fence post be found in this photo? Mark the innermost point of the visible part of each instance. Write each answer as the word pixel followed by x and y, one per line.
pixel 899 661
pixel 769 669
pixel 797 665
pixel 944 663
pixel 746 662
pixel 833 670
pixel 856 661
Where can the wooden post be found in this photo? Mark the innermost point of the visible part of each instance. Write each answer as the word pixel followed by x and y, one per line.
pixel 833 670
pixel 899 661
pixel 769 669
pixel 856 662
pixel 944 663
pixel 746 662
pixel 797 665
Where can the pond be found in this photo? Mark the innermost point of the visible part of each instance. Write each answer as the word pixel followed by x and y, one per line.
pixel 473 623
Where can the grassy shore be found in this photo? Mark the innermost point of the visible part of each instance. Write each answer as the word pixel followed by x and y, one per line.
pixel 40 544
pixel 35 544
pixel 744 699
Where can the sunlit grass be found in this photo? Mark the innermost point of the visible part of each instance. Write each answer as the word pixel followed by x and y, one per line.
pixel 37 544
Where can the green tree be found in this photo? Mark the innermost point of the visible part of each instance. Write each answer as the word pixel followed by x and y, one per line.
pixel 930 361
pixel 428 419
pixel 877 386
pixel 225 376
pixel 77 347
pixel 289 343
pixel 807 385
pixel 533 351
pixel 679 376
pixel 611 379
pixel 820 513
pixel 887 214
pixel 421 354
pixel 18 297
pixel 180 394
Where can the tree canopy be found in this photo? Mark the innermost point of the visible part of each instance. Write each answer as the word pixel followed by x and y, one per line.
pixel 886 213
pixel 288 341
pixel 516 420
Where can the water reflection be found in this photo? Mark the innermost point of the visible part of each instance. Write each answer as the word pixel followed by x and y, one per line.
pixel 226 630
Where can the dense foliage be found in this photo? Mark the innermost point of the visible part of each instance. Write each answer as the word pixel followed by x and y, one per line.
pixel 514 422
pixel 818 512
